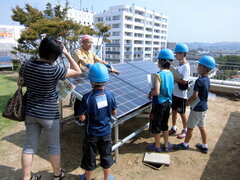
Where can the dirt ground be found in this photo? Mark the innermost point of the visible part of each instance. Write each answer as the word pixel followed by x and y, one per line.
pixel 222 161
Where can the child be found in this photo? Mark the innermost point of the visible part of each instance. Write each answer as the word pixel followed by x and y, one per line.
pixel 96 109
pixel 198 113
pixel 161 101
pixel 180 90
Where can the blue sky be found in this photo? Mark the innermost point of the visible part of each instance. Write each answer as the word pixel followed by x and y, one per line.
pixel 189 20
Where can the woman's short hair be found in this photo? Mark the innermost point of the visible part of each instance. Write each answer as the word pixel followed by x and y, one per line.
pixel 50 49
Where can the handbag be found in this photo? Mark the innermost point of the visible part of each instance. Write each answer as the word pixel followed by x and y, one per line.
pixel 183 86
pixel 14 109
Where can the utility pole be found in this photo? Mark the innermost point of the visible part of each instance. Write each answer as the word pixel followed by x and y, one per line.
pixel 80 4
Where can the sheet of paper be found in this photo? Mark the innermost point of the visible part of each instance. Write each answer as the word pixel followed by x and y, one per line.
pixel 175 73
pixel 150 79
pixel 65 88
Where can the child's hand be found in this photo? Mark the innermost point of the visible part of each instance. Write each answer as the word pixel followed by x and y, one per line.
pixel 82 117
pixel 187 103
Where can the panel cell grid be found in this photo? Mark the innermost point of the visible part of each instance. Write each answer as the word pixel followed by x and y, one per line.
pixel 130 88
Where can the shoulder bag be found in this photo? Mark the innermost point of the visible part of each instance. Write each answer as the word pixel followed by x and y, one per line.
pixel 14 109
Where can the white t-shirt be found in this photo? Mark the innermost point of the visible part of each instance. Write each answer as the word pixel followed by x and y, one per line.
pixel 185 71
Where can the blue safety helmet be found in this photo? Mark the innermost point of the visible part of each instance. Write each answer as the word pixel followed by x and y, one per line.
pixel 98 73
pixel 181 47
pixel 207 61
pixel 166 54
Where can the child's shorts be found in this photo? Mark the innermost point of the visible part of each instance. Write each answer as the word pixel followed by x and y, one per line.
pixel 92 145
pixel 179 104
pixel 159 117
pixel 196 118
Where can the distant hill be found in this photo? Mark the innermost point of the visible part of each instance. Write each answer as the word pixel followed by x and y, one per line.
pixel 215 46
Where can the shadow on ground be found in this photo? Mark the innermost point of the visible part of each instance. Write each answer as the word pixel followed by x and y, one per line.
pixel 229 156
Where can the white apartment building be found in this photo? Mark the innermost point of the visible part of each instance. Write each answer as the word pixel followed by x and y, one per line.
pixel 84 17
pixel 137 33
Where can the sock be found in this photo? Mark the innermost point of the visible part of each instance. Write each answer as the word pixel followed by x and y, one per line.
pixel 185 144
pixel 204 145
pixel 174 128
pixel 185 129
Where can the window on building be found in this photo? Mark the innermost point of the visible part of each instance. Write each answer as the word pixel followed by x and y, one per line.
pixel 138 20
pixel 108 18
pixel 128 41
pixel 115 41
pixel 149 29
pixel 128 34
pixel 148 36
pixel 128 18
pixel 115 25
pixel 116 33
pixel 138 27
pixel 128 26
pixel 116 18
pixel 148 42
pixel 164 20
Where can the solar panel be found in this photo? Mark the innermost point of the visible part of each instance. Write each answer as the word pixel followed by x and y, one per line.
pixel 147 66
pixel 130 88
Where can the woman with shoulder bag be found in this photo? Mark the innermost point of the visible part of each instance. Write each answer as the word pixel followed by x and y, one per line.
pixel 41 108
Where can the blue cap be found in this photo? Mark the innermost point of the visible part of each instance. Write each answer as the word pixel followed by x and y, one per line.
pixel 98 73
pixel 166 54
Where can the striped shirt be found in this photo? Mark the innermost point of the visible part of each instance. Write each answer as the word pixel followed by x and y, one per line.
pixel 41 80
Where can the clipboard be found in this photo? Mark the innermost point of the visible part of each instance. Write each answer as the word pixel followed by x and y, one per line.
pixel 150 79
pixel 189 94
pixel 175 73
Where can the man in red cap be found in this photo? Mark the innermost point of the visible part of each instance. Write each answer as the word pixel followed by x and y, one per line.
pixel 85 58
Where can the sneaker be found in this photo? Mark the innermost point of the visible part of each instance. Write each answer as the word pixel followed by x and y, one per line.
pixel 182 135
pixel 152 147
pixel 83 177
pixel 111 177
pixel 180 147
pixel 79 123
pixel 172 131
pixel 201 148
pixel 166 149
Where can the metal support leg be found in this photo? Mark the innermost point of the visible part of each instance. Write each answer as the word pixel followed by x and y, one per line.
pixel 61 114
pixel 116 138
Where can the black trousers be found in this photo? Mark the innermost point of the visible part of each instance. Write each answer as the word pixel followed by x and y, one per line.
pixel 77 105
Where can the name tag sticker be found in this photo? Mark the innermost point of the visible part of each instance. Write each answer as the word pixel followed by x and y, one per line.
pixel 101 101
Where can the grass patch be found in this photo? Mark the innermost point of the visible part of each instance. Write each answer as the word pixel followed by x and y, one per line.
pixel 8 86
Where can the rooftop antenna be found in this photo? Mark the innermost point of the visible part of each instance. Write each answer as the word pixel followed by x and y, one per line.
pixel 80 4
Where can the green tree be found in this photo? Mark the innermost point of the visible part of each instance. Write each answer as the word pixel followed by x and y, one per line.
pixel 229 59
pixel 51 22
pixel 102 32
pixel 229 66
pixel 27 15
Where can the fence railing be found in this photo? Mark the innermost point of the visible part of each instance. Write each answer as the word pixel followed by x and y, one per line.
pixel 224 71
